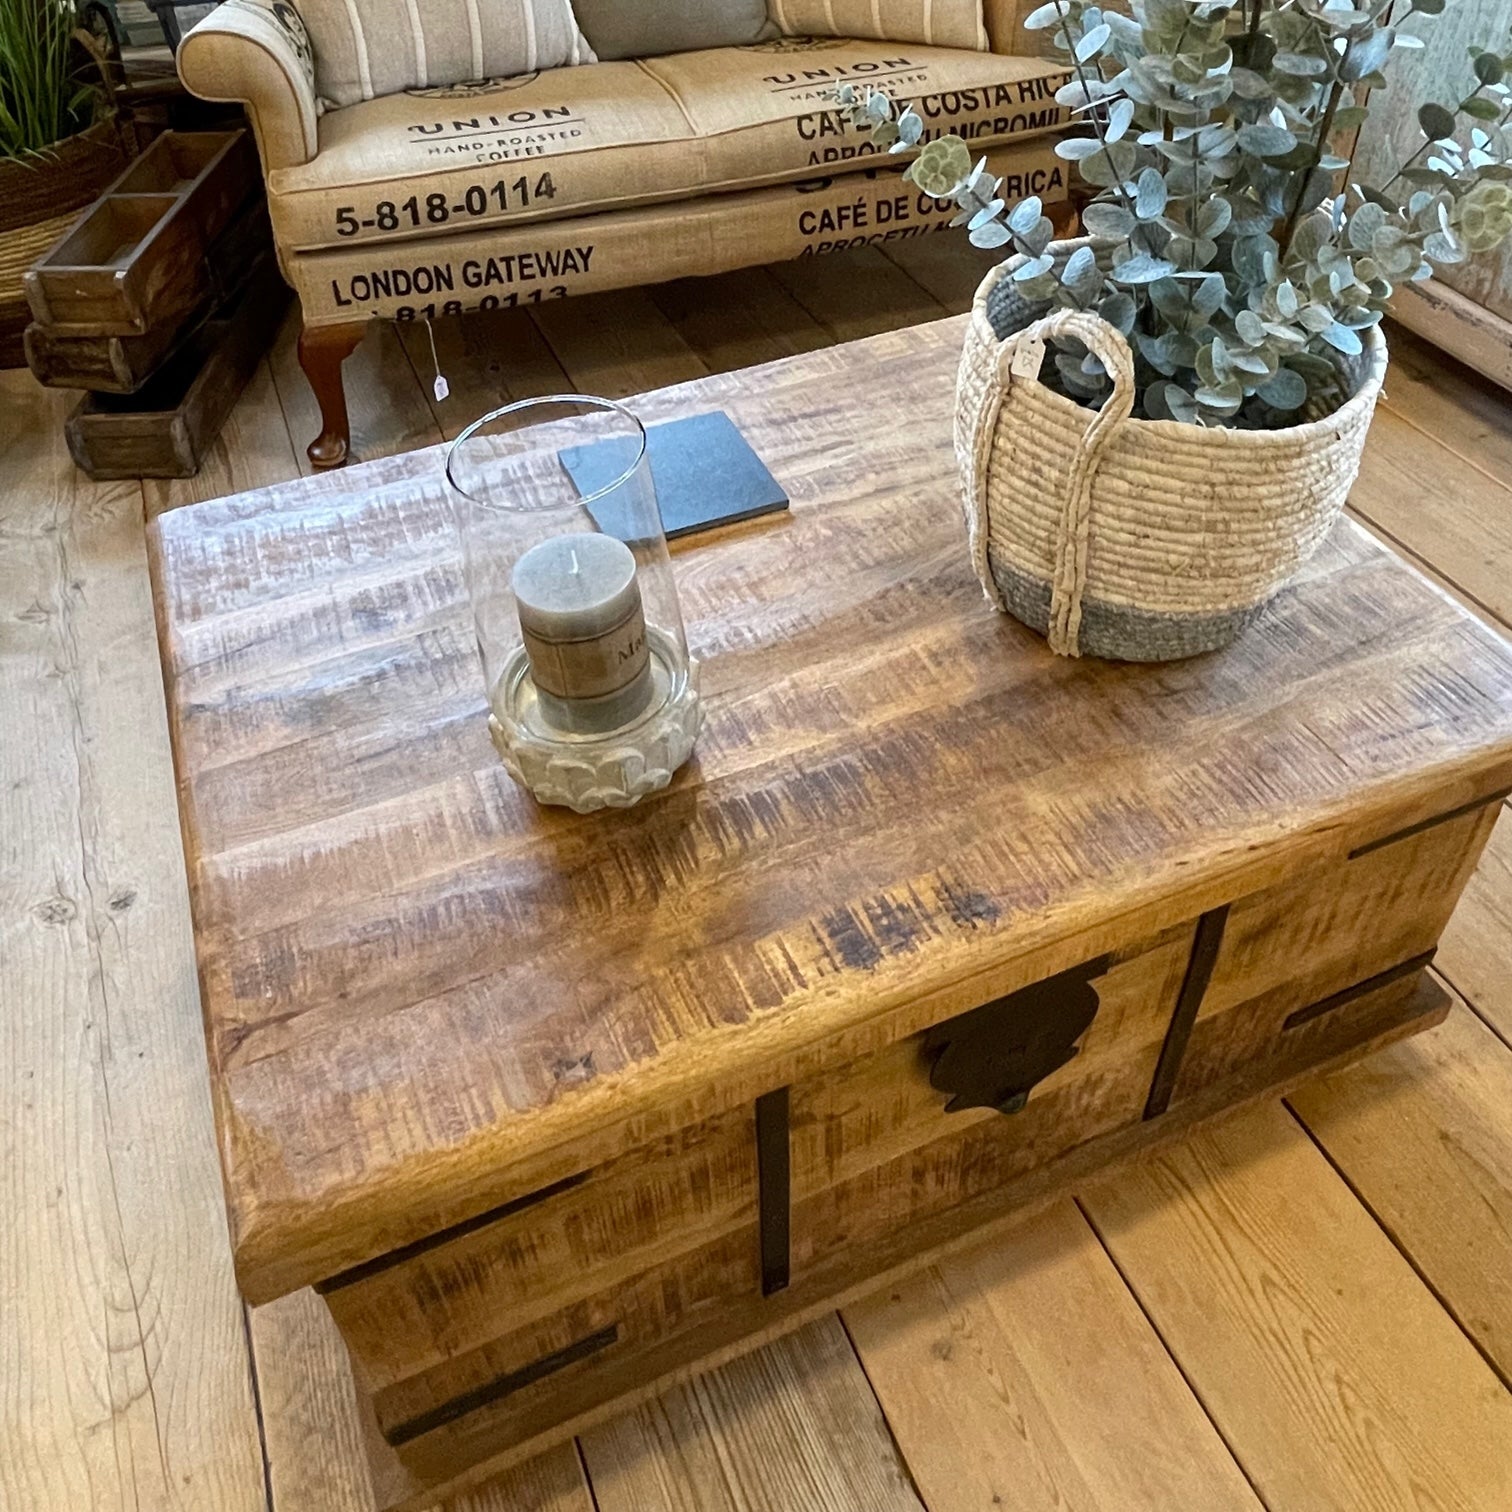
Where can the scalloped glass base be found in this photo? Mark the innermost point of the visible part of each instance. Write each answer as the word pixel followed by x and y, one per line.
pixel 610 770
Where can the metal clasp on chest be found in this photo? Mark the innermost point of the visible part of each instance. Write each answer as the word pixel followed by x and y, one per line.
pixel 994 1055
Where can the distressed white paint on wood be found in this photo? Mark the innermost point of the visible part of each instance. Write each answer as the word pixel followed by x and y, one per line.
pixel 124 1380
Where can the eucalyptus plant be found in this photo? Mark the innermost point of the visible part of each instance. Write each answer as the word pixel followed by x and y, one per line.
pixel 1228 241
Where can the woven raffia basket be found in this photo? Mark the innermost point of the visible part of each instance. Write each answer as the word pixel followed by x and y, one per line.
pixel 1140 540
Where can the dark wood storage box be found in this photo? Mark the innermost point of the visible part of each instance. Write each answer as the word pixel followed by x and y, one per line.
pixel 165 428
pixel 136 259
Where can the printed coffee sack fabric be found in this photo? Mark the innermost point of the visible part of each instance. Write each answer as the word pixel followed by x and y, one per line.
pixel 366 49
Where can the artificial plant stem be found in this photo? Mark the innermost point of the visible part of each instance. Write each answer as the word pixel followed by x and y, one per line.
pixel 1097 125
pixel 1429 143
pixel 1289 230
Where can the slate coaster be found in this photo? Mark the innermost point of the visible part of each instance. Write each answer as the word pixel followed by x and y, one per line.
pixel 704 470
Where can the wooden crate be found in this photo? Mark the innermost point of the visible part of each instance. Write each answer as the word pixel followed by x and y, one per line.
pixel 165 428
pixel 554 1110
pixel 137 258
pixel 124 364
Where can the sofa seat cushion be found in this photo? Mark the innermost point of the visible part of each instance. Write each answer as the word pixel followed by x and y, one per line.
pixel 574 141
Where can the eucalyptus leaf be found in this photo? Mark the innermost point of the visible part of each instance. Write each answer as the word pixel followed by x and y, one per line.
pixel 1092 42
pixel 1025 215
pixel 1141 269
pixel 1342 339
pixel 1120 116
pixel 1265 140
pixel 1287 390
pixel 1042 17
pixel 1436 122
pixel 1303 64
pixel 1229 238
pixel 1107 218
pixel 1489 69
pixel 1150 195
pixel 1080 274
pixel 1033 267
pixel 990 234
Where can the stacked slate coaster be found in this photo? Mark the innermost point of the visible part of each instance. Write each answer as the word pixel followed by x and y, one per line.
pixel 156 302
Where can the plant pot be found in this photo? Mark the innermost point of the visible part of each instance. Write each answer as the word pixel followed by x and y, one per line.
pixel 1136 540
pixel 39 200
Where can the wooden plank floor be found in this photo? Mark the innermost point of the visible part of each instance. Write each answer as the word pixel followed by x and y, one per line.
pixel 1309 1306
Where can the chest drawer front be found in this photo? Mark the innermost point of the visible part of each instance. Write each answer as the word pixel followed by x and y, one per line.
pixel 874 1149
pixel 1299 963
pixel 498 1334
pixel 538 1259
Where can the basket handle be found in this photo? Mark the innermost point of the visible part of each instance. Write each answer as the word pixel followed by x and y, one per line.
pixel 1019 359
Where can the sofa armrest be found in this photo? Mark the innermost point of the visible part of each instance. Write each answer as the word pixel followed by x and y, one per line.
pixel 1005 28
pixel 257 52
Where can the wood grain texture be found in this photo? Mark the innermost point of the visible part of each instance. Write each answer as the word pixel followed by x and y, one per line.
pixel 1475 954
pixel 1478 337
pixel 1022 1374
pixel 389 411
pixel 316 1460
pixel 1289 949
pixel 738 319
pixel 1423 1133
pixel 858 295
pixel 124 1381
pixel 471 1447
pixel 1289 1312
pixel 327 706
pixel 615 345
pixel 792 1425
pixel 649 1244
pixel 253 450
pixel 488 358
pixel 1440 506
pixel 1449 404
pixel 946 270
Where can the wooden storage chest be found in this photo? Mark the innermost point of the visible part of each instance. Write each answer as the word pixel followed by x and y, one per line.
pixel 554 1109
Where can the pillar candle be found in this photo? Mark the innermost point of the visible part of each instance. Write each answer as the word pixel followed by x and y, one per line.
pixel 579 604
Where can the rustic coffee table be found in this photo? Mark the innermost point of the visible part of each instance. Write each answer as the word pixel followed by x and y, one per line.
pixel 552 1109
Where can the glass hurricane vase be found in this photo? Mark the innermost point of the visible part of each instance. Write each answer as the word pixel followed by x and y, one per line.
pixel 593 697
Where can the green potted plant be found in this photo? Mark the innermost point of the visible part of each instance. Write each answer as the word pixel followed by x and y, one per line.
pixel 58 143
pixel 1221 316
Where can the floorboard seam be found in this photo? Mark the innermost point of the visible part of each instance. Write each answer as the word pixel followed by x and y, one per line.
pixel 892 1436
pixel 1165 1344
pixel 1469 1002
pixel 1416 559
pixel 257 1409
pixel 582 1459
pixel 1399 1245
pixel 1402 415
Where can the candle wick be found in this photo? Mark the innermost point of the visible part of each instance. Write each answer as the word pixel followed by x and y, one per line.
pixel 573 553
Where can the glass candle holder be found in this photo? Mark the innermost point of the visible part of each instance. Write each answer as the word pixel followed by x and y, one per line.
pixel 593 697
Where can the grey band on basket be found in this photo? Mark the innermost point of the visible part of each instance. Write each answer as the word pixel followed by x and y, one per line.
pixel 1117 632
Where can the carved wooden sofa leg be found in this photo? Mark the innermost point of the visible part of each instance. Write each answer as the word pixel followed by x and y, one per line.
pixel 322 350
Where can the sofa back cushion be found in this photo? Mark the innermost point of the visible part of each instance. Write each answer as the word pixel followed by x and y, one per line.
pixel 941 23
pixel 368 48
pixel 655 28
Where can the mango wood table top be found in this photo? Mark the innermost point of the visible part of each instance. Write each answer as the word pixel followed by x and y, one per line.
pixel 423 995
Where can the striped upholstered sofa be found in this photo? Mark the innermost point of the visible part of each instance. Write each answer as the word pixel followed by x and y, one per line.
pixel 409 178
